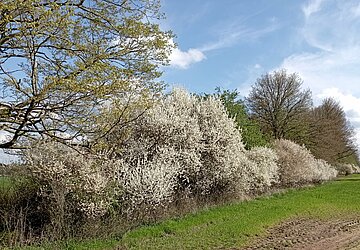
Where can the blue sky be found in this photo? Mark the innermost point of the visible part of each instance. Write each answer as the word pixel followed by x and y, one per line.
pixel 230 43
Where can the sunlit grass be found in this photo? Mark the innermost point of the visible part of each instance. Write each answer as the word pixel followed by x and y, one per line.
pixel 236 224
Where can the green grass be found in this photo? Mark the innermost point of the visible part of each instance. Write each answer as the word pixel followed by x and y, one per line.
pixel 5 183
pixel 237 224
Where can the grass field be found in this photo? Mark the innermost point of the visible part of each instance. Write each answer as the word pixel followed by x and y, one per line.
pixel 236 224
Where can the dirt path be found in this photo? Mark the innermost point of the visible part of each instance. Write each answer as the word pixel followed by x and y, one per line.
pixel 311 235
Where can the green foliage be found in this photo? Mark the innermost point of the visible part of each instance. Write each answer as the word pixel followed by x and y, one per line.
pixel 6 183
pixel 63 62
pixel 351 159
pixel 251 133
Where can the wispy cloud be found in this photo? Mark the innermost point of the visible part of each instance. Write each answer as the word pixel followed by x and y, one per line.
pixel 236 33
pixel 228 37
pixel 333 32
pixel 313 6
pixel 331 28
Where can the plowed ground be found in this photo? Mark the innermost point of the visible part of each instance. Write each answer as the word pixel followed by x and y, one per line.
pixel 311 234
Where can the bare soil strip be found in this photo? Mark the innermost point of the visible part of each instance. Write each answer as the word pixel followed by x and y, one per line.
pixel 312 235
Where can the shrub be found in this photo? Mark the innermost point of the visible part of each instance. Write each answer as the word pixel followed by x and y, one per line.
pixel 148 182
pixel 72 180
pixel 356 169
pixel 224 165
pixel 324 171
pixel 22 213
pixel 250 129
pixel 183 146
pixel 193 141
pixel 160 153
pixel 267 169
pixel 298 166
pixel 347 169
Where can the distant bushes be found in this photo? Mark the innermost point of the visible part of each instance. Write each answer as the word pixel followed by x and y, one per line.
pixel 184 148
pixel 347 169
pixel 298 166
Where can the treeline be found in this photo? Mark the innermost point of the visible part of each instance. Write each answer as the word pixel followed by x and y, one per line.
pixel 278 108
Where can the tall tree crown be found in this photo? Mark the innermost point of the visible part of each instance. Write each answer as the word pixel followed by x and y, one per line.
pixel 62 63
pixel 277 100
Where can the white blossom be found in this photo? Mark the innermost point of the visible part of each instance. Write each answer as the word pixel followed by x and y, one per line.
pixel 298 165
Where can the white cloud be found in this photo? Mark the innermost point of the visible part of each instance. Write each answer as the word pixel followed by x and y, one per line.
pixel 5 158
pixel 324 70
pixel 228 35
pixel 257 66
pixel 183 59
pixel 313 6
pixel 3 136
pixel 331 69
pixel 348 101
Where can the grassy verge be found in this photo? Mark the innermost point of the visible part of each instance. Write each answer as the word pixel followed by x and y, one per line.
pixel 236 224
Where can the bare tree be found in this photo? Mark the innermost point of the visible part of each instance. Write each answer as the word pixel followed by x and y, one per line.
pixel 277 102
pixel 331 136
pixel 66 64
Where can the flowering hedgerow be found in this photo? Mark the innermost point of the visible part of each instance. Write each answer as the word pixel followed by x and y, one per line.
pixel 267 168
pixel 299 166
pixel 182 145
pixel 73 179
pixel 194 141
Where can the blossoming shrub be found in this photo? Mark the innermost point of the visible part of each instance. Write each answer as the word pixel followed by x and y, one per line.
pixel 356 169
pixel 324 171
pixel 71 180
pixel 267 168
pixel 162 150
pixel 148 182
pixel 298 165
pixel 224 164
pixel 184 144
pixel 347 169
